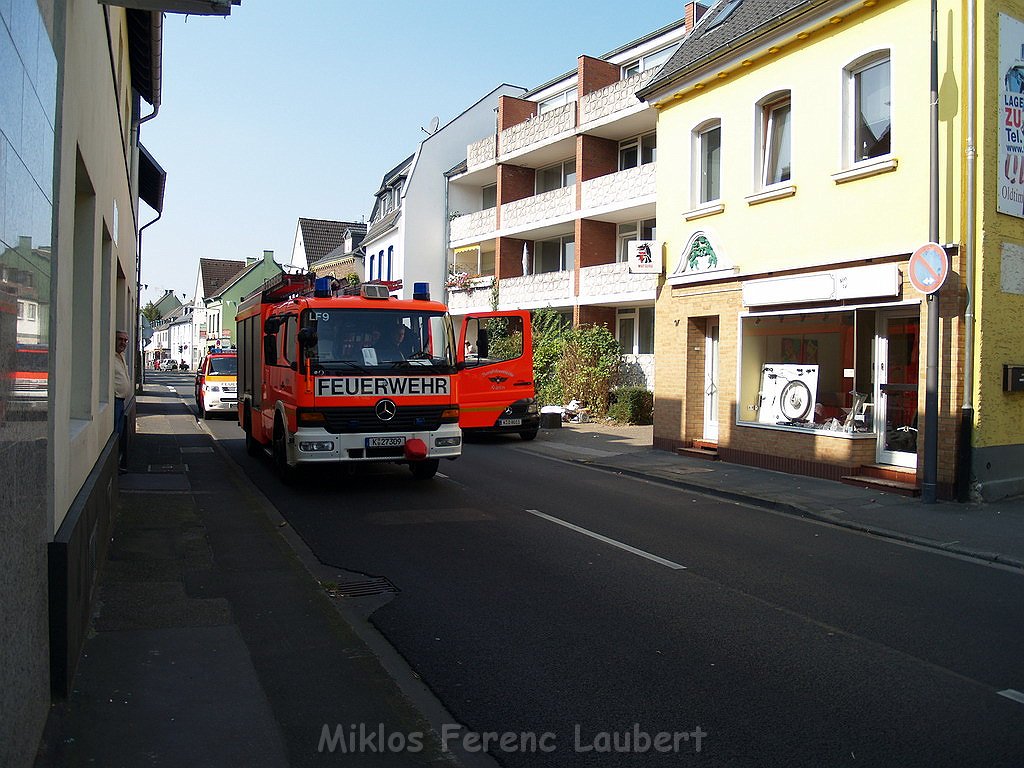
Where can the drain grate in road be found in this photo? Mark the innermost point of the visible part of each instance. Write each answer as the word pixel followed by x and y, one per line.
pixel 165 469
pixel 363 588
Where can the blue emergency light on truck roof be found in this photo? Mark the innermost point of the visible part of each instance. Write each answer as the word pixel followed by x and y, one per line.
pixel 421 291
pixel 322 287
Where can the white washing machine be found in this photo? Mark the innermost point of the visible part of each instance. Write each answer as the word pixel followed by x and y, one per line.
pixel 787 394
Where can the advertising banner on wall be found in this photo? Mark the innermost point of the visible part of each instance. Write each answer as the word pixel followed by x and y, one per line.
pixel 1011 116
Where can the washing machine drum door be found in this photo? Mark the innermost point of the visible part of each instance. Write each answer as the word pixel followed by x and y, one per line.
pixel 795 400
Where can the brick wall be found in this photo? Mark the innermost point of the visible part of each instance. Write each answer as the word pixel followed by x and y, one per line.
pixel 589 315
pixel 514 183
pixel 595 242
pixel 595 157
pixel 594 74
pixel 508 257
pixel 513 111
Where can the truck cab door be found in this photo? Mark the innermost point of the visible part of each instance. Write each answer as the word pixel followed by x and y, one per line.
pixel 496 361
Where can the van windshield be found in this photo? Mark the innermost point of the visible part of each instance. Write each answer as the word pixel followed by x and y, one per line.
pixel 223 366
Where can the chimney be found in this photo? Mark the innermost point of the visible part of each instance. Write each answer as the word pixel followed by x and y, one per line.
pixel 268 256
pixel 693 13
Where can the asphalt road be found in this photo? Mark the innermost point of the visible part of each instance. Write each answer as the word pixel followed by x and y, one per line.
pixel 767 639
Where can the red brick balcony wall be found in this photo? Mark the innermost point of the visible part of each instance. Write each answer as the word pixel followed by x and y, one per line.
pixel 508 257
pixel 594 74
pixel 595 242
pixel 587 315
pixel 514 183
pixel 513 111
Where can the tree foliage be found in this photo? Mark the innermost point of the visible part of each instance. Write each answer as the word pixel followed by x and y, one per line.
pixel 150 312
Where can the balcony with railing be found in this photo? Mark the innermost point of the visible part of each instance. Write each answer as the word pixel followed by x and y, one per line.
pixel 619 188
pixel 606 282
pixel 617 97
pixel 546 205
pixel 471 226
pixel 537 129
pixel 540 290
pixel 481 152
pixel 473 297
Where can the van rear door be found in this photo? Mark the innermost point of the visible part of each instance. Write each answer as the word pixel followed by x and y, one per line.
pixel 496 355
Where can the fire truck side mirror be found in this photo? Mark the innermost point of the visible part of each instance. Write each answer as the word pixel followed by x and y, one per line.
pixel 270 350
pixel 271 324
pixel 307 338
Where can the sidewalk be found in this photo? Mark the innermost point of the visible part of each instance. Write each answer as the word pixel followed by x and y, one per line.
pixel 992 532
pixel 213 644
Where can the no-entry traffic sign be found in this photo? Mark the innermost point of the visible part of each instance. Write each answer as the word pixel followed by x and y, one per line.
pixel 929 267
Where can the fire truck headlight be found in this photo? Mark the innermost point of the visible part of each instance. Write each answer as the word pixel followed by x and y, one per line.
pixel 445 442
pixel 450 415
pixel 316 445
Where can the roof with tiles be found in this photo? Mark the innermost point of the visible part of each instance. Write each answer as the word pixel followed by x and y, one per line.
pixel 217 272
pixel 727 24
pixel 321 236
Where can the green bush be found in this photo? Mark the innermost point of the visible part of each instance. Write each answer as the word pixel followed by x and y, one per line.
pixel 589 366
pixel 549 331
pixel 632 405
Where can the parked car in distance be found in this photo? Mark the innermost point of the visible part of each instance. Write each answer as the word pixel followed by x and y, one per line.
pixel 167 365
pixel 217 383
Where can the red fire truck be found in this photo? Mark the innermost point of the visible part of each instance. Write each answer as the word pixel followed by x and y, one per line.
pixel 328 376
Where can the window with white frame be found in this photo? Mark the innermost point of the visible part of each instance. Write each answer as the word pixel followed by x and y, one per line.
pixel 30 310
pixel 556 176
pixel 635 330
pixel 775 140
pixel 555 255
pixel 640 150
pixel 869 104
pixel 650 61
pixel 559 100
pixel 634 230
pixel 708 165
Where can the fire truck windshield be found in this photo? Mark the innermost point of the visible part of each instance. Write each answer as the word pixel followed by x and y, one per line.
pixel 375 339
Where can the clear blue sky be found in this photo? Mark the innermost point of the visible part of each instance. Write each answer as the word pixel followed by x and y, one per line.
pixel 289 109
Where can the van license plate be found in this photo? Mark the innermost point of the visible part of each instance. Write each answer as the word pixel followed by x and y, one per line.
pixel 510 422
pixel 385 442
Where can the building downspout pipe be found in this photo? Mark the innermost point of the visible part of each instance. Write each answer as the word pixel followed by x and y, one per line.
pixel 965 443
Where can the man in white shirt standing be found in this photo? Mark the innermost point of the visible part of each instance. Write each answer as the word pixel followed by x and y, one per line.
pixel 122 389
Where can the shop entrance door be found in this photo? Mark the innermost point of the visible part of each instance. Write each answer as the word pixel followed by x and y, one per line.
pixel 711 382
pixel 896 409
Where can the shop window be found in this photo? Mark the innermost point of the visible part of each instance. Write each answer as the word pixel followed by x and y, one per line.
pixel 809 370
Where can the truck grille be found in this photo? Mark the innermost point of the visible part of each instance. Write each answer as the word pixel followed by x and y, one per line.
pixel 423 418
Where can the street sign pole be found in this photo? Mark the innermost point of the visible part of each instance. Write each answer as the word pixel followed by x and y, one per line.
pixel 931 397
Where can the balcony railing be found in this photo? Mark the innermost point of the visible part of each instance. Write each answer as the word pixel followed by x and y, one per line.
pixel 474 298
pixel 546 205
pixel 614 98
pixel 537 129
pixel 481 152
pixel 613 188
pixel 544 289
pixel 473 225
pixel 609 280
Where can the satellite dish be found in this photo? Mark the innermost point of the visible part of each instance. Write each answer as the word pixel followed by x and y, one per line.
pixel 434 122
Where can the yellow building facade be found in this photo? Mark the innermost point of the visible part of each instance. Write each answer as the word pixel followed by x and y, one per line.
pixel 793 189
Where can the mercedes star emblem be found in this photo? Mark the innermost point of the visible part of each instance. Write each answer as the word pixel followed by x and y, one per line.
pixel 386 410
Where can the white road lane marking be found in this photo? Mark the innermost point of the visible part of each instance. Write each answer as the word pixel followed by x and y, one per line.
pixel 613 542
pixel 1012 694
